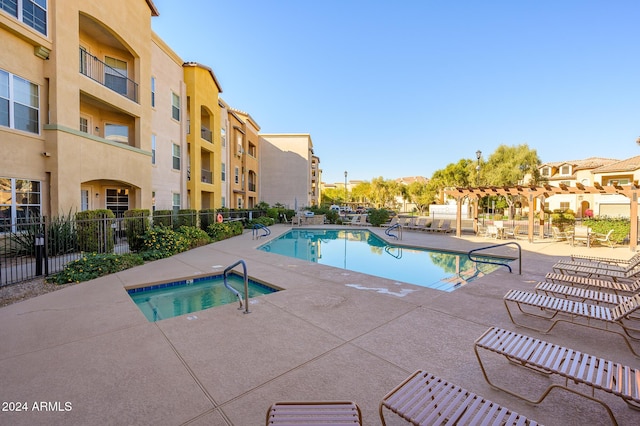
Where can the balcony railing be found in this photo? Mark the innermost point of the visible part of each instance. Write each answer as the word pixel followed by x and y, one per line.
pixel 207 176
pixel 109 77
pixel 252 186
pixel 206 134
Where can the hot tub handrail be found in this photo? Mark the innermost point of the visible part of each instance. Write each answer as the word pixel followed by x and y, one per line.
pixel 246 284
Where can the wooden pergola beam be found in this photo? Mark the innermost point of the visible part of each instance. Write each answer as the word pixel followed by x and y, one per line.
pixel 532 191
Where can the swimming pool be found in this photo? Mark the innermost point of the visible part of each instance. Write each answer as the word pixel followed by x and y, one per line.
pixel 363 251
pixel 167 300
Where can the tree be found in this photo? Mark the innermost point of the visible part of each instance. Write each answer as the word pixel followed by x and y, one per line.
pixel 508 165
pixel 383 192
pixel 420 194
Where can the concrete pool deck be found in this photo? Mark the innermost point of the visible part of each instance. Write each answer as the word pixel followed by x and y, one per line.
pixel 91 357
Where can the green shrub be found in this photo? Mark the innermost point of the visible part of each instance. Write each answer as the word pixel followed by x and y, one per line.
pixel 224 230
pixel 160 242
pixel 136 223
pixel 194 236
pixel 264 220
pixel 95 265
pixel 563 219
pixel 186 217
pixel 95 234
pixel 621 227
pixel 163 218
pixel 378 216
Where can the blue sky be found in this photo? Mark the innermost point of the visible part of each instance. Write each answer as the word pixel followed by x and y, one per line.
pixel 404 88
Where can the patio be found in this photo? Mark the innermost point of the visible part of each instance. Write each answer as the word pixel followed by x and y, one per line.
pixel 320 339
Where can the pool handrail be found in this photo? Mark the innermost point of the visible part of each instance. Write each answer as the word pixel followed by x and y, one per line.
pixel 256 229
pixel 391 228
pixel 246 284
pixel 498 263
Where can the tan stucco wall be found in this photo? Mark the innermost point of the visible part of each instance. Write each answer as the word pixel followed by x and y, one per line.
pixel 285 164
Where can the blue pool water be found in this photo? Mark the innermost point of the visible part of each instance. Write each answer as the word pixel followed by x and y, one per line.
pixel 187 296
pixel 363 251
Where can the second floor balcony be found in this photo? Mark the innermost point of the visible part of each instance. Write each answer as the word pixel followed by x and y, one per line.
pixel 108 76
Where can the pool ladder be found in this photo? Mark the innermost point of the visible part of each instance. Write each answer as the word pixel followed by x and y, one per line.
pixel 396 227
pixel 246 284
pixel 498 263
pixel 256 231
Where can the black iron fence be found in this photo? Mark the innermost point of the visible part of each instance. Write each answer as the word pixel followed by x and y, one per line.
pixel 44 246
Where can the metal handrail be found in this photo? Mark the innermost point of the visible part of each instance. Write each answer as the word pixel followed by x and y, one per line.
pixel 387 249
pixel 498 263
pixel 256 228
pixel 246 284
pixel 391 228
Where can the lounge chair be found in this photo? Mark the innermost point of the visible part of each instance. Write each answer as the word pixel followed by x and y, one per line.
pixel 598 270
pixel 445 227
pixel 354 220
pixel 579 294
pixel 492 231
pixel 314 413
pixel 579 313
pixel 424 399
pixel 393 221
pixel 419 224
pixel 620 262
pixel 559 235
pixel 482 231
pixel 512 233
pixel 582 234
pixel 604 238
pixel 434 226
pixel 556 361
pixel 628 289
pixel 362 220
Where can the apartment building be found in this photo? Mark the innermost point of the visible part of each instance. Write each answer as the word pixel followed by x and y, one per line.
pixel 592 172
pixel 224 153
pixel 169 162
pixel 75 106
pixel 287 168
pixel 203 136
pixel 244 158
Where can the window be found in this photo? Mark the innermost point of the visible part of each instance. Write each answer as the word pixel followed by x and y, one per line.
pixel 117 133
pixel 153 201
pixel 175 106
pixel 84 124
pixel 236 175
pixel 239 143
pixel 117 201
pixel 240 202
pixel 223 172
pixel 115 75
pixel 565 170
pixel 175 200
pixel 153 149
pixel 224 201
pixel 176 157
pixel 545 171
pixel 20 201
pixel 564 205
pixel 31 12
pixel 223 136
pixel 19 103
pixel 34 14
pixel 84 200
pixel 153 91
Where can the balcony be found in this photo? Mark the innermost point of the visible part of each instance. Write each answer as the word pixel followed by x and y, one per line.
pixel 206 134
pixel 107 76
pixel 207 176
pixel 252 187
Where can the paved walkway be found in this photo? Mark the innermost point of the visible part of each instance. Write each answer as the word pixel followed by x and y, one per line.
pixel 92 358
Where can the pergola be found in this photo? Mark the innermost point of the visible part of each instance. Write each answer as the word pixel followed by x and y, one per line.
pixel 531 192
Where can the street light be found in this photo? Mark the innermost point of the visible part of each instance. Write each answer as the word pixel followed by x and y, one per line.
pixel 345 189
pixel 478 155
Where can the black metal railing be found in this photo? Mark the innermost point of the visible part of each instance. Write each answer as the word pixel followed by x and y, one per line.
pixel 43 246
pixel 107 76
pixel 206 134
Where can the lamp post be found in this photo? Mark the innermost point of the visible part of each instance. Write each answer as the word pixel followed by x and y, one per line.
pixel 345 189
pixel 478 155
